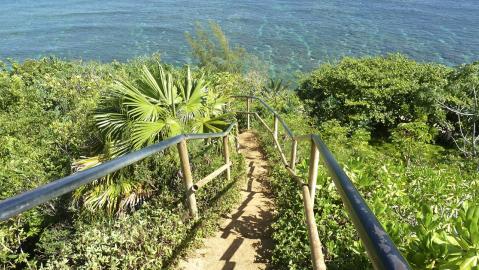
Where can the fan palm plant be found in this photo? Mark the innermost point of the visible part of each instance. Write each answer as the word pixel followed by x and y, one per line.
pixel 136 114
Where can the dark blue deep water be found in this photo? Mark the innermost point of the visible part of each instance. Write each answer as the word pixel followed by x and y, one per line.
pixel 290 34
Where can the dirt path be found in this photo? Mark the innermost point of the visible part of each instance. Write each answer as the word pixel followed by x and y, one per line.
pixel 243 241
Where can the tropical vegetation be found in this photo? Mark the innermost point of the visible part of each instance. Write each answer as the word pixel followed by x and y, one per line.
pixel 60 117
pixel 404 131
pixel 401 154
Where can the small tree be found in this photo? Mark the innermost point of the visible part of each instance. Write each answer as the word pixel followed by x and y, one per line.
pixel 463 110
pixel 213 51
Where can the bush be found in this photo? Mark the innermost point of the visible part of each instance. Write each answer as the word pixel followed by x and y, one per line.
pixel 45 123
pixel 213 52
pixel 411 139
pixel 461 106
pixel 376 93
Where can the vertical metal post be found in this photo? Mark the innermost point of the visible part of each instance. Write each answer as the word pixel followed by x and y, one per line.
pixel 187 178
pixel 226 153
pixel 294 149
pixel 248 109
pixel 275 130
pixel 313 170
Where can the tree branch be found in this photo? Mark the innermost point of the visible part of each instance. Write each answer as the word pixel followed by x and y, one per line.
pixel 457 111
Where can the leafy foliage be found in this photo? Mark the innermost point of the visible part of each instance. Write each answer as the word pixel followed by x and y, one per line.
pixel 47 127
pixel 410 139
pixel 45 123
pixel 137 114
pixel 417 203
pixel 375 93
pixel 425 195
pixel 158 232
pixel 454 246
pixel 461 106
pixel 213 51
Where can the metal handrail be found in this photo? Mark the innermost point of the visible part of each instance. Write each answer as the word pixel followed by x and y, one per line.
pixel 380 248
pixel 285 126
pixel 29 199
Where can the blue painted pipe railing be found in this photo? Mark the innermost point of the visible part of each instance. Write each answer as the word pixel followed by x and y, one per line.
pixel 27 200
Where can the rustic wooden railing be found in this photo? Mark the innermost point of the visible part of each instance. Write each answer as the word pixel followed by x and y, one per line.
pixel 381 250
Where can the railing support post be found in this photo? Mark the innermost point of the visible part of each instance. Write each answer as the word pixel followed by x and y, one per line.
pixel 237 146
pixel 294 149
pixel 187 178
pixel 275 129
pixel 248 109
pixel 315 244
pixel 226 154
pixel 313 170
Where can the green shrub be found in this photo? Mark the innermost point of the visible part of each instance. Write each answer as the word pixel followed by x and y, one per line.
pixel 137 113
pixel 376 93
pixel 411 139
pixel 45 123
pixel 461 106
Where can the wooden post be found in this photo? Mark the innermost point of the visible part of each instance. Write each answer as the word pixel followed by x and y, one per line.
pixel 316 248
pixel 275 130
pixel 294 149
pixel 248 108
pixel 226 153
pixel 237 146
pixel 313 170
pixel 187 178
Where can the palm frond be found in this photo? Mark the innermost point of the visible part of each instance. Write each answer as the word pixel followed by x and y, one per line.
pixel 87 163
pixel 112 124
pixel 145 133
pixel 139 106
pixel 206 124
pixel 173 127
pixel 152 86
pixel 193 93
pixel 216 103
pixel 168 88
pixel 114 193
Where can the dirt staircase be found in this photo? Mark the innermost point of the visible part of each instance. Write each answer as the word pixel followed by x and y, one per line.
pixel 243 241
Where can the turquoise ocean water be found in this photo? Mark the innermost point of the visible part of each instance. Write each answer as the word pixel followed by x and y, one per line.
pixel 291 35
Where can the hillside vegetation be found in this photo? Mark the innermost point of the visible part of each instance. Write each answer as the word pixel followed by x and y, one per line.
pixel 58 117
pixel 405 132
pixel 389 122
